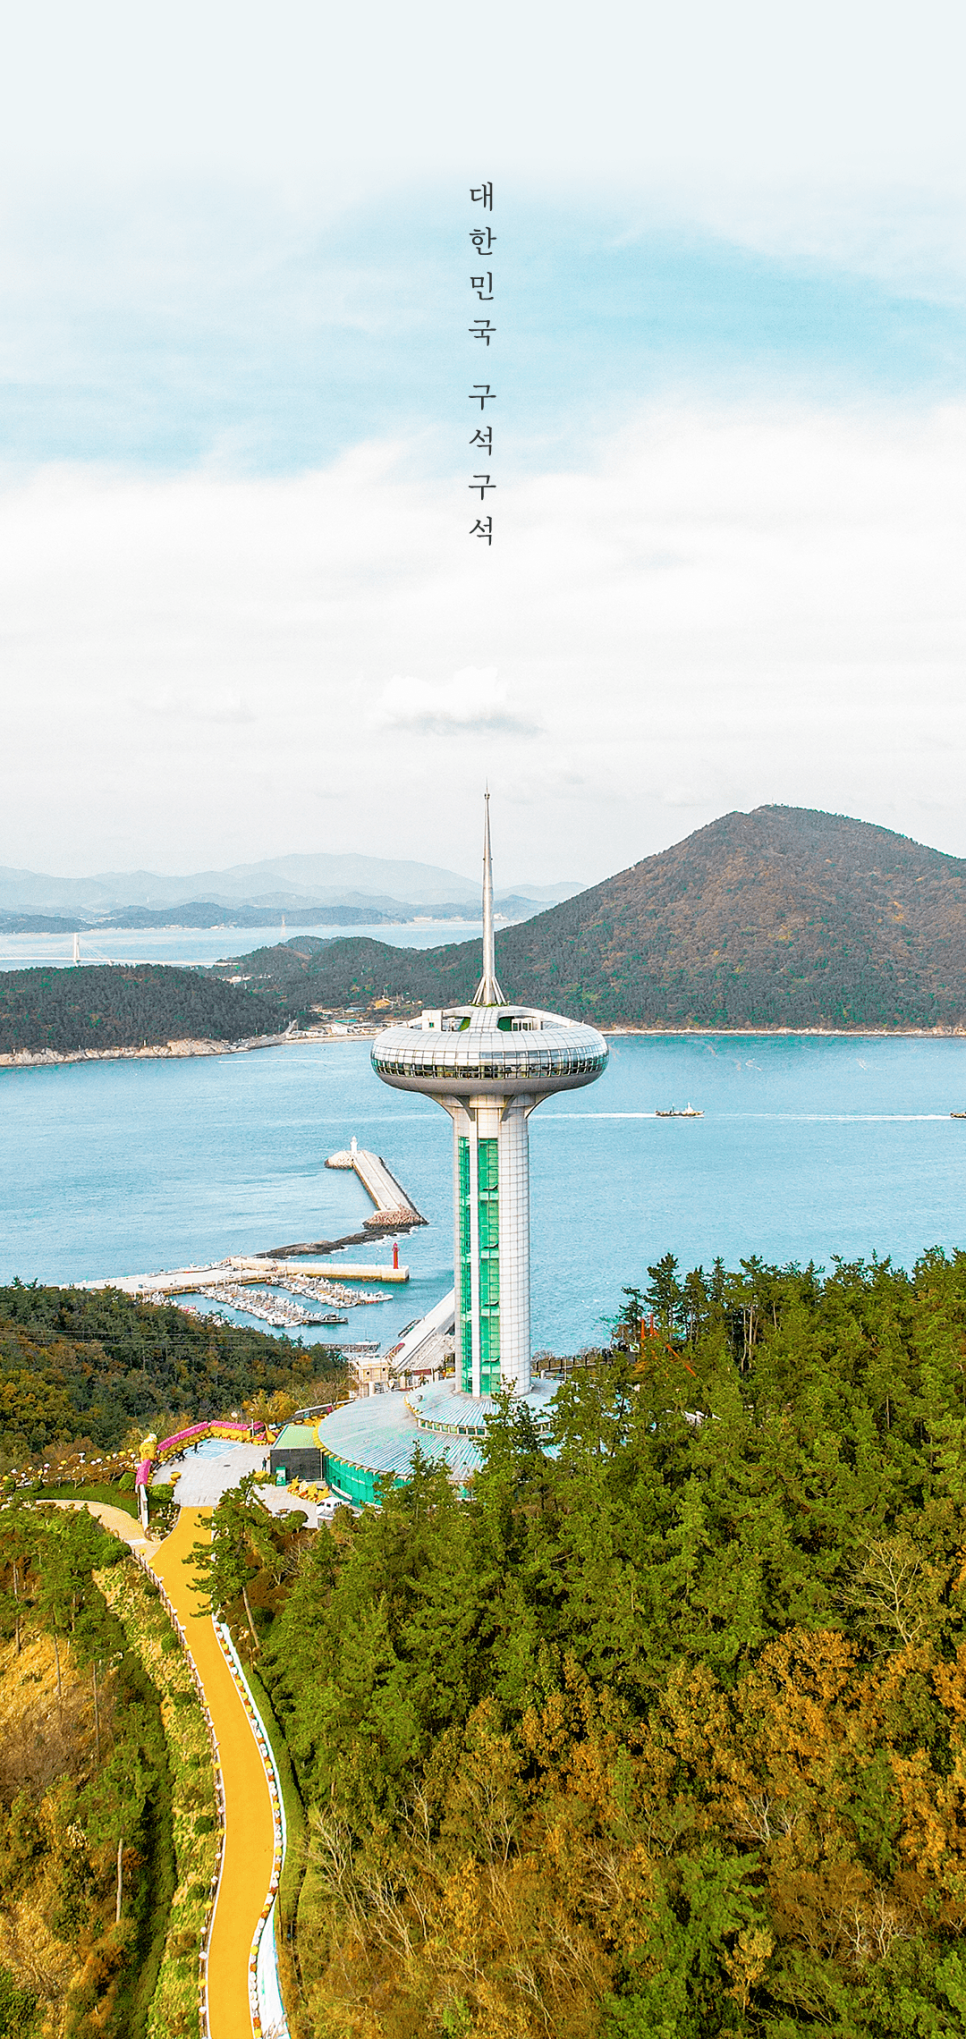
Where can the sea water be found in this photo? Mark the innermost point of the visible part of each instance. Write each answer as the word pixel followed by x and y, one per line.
pixel 808 1148
pixel 195 947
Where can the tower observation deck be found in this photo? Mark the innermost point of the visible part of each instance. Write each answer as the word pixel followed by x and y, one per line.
pixel 489 1064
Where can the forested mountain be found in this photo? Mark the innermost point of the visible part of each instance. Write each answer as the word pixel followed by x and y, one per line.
pixel 76 1363
pixel 207 913
pixel 785 917
pixel 781 918
pixel 126 1005
pixel 664 1736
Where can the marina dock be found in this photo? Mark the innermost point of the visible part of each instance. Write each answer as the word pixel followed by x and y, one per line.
pixel 317 1281
pixel 322 1284
pixel 394 1209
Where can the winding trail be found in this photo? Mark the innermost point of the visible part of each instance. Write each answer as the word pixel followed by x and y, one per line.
pixel 249 1831
pixel 249 1828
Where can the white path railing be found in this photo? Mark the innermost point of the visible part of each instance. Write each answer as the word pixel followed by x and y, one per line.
pixel 264 1982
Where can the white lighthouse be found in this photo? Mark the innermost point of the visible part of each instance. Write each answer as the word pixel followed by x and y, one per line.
pixel 489 1064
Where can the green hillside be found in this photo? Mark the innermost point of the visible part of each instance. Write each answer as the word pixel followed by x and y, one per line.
pixel 661 1736
pixel 126 1005
pixel 785 917
pixel 79 1364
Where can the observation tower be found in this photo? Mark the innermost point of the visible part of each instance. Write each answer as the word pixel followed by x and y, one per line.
pixel 489 1065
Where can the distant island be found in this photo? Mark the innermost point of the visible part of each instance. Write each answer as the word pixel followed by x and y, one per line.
pixel 782 918
pixel 112 1008
pixel 324 888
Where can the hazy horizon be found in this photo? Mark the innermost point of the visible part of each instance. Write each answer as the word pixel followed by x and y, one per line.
pixel 399 881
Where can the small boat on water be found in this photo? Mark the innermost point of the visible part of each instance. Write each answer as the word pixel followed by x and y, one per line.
pixel 957 1115
pixel 689 1112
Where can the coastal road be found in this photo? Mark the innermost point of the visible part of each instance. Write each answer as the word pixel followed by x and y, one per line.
pixel 249 1831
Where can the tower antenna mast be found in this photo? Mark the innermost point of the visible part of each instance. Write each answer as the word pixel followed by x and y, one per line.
pixel 488 991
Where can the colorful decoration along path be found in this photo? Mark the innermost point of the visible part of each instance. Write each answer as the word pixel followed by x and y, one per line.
pixel 154 1454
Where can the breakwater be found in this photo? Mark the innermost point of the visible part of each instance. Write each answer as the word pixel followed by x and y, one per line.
pixel 394 1211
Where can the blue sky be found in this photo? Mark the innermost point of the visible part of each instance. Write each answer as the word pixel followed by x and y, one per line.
pixel 205 329
pixel 241 613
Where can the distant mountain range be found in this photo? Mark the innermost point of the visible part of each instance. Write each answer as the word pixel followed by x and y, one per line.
pixel 206 913
pixel 276 885
pixel 785 917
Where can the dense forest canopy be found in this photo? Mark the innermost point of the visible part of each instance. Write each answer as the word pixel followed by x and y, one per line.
pixel 82 1364
pixel 123 1005
pixel 662 1732
pixel 785 917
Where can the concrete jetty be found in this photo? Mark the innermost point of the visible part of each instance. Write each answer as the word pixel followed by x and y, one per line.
pixel 394 1209
pixel 394 1212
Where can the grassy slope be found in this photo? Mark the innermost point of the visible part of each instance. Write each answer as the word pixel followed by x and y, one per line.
pixel 174 1987
pixel 113 1495
pixel 60 1806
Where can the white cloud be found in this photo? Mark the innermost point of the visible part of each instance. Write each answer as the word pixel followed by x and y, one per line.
pixel 727 607
pixel 474 701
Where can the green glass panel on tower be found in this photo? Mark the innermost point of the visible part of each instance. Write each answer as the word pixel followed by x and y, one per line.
pixel 488 1200
pixel 464 1272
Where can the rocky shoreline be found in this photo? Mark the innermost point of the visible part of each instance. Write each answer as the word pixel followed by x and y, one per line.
pixel 49 1058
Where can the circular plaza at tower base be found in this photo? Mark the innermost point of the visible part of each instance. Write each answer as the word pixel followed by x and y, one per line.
pixel 367 1441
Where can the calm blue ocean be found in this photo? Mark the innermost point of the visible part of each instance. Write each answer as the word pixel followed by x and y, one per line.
pixel 808 1148
pixel 195 946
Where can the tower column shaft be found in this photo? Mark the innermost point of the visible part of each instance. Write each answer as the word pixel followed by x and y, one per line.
pixel 475 1339
pixel 491 1243
pixel 514 1165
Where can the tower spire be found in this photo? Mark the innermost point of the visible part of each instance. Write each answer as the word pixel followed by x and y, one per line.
pixel 488 991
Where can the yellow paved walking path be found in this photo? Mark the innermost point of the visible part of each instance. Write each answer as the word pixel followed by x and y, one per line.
pixel 249 1830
